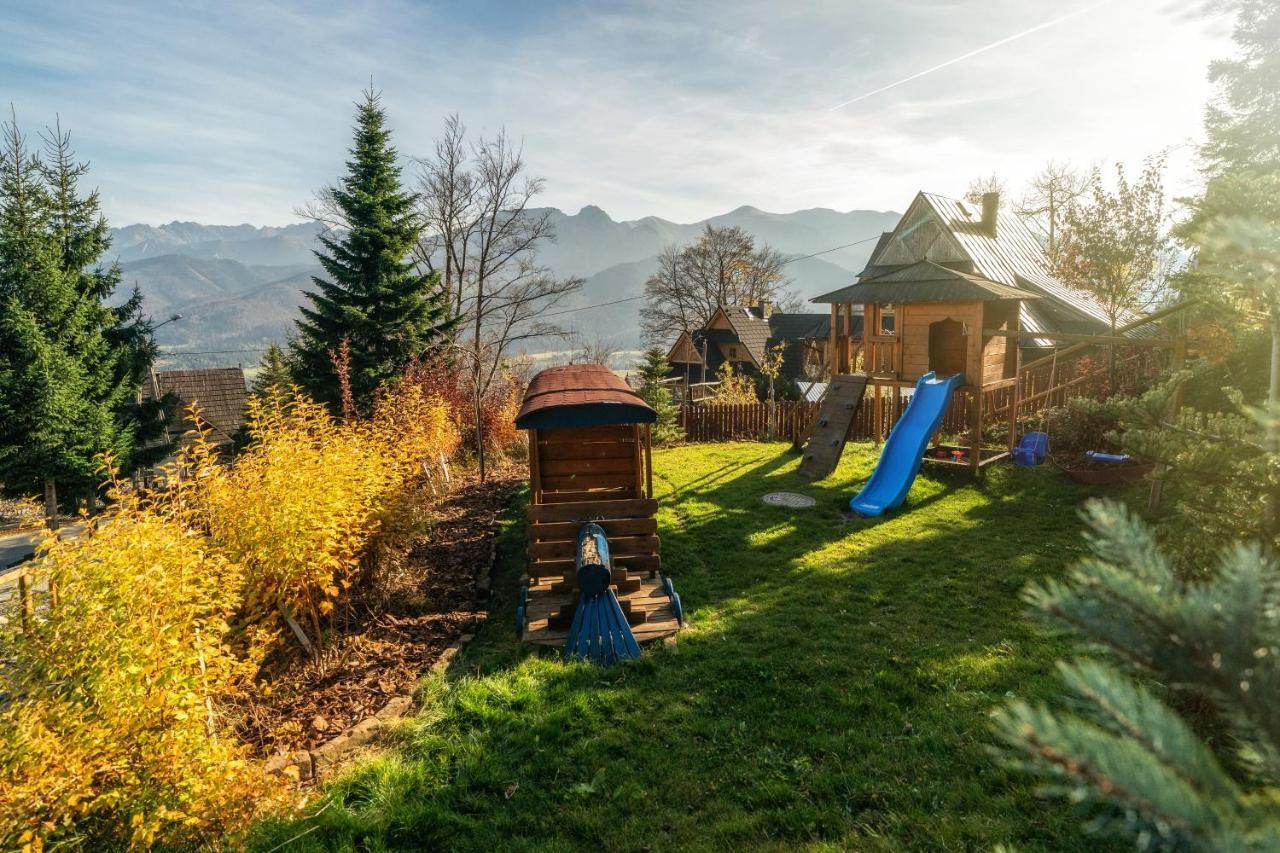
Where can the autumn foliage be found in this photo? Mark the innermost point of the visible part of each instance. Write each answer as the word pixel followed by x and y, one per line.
pixel 169 604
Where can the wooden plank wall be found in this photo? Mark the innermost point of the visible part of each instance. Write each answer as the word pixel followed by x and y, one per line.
pixel 629 523
pixel 915 320
pixel 587 463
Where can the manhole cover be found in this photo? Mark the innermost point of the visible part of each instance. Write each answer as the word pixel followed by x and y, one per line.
pixel 790 500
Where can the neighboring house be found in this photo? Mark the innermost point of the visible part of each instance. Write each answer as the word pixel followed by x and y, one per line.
pixel 219 393
pixel 947 249
pixel 744 335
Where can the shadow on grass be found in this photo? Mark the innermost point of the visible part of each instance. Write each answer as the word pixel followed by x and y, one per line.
pixel 833 686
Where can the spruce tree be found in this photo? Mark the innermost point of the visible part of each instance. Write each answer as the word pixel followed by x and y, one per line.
pixel 1235 225
pixel 115 344
pixel 373 296
pixel 1121 745
pixel 48 430
pixel 273 375
pixel 654 392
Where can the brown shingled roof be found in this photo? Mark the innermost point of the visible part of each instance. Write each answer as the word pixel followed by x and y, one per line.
pixel 581 395
pixel 219 392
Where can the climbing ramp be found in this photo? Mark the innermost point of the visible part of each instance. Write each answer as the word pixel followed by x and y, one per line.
pixel 831 429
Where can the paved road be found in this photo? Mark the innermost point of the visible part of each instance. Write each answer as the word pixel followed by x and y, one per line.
pixel 15 546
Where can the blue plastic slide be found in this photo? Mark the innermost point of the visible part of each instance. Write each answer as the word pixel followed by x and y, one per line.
pixel 900 460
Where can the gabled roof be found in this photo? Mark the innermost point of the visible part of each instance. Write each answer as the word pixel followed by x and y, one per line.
pixel 949 232
pixel 219 393
pixel 798 327
pixel 928 282
pixel 752 331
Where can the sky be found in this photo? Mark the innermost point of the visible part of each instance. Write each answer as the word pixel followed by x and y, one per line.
pixel 235 112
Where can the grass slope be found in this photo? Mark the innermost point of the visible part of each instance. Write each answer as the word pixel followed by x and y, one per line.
pixel 832 690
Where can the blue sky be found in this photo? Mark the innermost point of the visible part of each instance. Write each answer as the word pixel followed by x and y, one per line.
pixel 237 111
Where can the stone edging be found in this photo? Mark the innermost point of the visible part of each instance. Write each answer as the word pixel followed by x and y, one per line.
pixel 307 766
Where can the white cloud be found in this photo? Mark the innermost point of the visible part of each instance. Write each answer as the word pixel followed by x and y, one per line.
pixel 237 113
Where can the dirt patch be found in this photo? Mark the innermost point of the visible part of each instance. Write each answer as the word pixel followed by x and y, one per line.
pixel 391 631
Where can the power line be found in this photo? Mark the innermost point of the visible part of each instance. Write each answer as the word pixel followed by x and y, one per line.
pixel 176 353
pixel 210 351
pixel 833 249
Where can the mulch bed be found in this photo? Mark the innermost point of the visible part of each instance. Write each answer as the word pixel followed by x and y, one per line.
pixel 391 630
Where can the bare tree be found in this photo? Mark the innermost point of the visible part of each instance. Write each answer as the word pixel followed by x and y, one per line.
pixel 594 350
pixel 979 187
pixel 1050 193
pixel 484 236
pixel 723 267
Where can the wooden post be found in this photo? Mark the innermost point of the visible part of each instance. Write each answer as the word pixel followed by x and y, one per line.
pixel 879 414
pixel 636 435
pixel 1015 399
pixel 535 471
pixel 846 351
pixel 833 357
pixel 975 435
pixel 26 605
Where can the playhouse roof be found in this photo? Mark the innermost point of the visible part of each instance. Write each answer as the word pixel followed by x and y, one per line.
pixel 581 395
pixel 925 281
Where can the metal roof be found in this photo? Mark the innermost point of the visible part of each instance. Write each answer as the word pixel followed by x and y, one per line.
pixel 1012 256
pixel 924 282
pixel 581 395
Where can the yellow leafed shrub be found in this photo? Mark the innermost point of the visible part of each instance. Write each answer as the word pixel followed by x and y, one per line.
pixel 304 501
pixel 112 737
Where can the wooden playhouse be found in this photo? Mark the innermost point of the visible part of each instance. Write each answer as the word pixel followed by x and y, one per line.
pixel 590 462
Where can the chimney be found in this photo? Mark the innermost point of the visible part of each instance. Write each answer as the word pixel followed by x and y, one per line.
pixel 990 207
pixel 766 309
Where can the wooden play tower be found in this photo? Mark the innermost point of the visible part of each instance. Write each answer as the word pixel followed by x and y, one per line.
pixel 590 462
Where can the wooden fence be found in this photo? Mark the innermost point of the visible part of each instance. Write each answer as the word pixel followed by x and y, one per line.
pixel 787 420
pixel 1041 389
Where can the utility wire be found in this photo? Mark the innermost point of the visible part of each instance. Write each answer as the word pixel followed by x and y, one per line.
pixel 175 353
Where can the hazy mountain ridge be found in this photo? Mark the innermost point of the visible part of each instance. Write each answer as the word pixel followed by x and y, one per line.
pixel 238 287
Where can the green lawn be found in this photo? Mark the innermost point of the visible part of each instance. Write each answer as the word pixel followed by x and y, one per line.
pixel 832 689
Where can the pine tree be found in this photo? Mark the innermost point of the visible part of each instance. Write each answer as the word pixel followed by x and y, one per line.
pixel 1235 225
pixel 652 390
pixel 1117 744
pixel 373 295
pixel 273 373
pixel 115 345
pixel 49 432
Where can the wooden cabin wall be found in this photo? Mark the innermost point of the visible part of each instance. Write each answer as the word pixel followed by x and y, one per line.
pixel 587 463
pixel 913 321
pixel 999 355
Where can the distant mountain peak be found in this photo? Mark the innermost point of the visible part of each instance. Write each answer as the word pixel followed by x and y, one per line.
pixel 591 212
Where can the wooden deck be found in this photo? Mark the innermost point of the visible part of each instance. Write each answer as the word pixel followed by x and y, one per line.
pixel 551 603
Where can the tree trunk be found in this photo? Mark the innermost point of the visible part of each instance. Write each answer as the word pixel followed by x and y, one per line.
pixel 1273 392
pixel 51 519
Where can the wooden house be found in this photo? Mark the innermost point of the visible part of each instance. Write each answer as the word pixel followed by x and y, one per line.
pixel 969 264
pixel 744 335
pixel 220 393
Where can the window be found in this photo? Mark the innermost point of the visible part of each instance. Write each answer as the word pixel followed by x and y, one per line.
pixel 733 353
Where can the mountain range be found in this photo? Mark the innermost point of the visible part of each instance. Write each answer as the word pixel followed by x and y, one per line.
pixel 238 287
